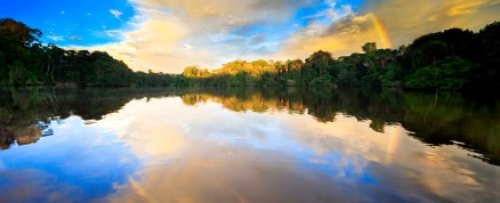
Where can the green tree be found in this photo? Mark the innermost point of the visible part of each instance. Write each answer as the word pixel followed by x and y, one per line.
pixel 369 47
pixel 19 32
pixel 17 74
pixel 449 74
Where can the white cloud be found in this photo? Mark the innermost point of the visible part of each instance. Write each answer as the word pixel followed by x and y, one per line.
pixel 55 38
pixel 75 38
pixel 115 13
pixel 168 35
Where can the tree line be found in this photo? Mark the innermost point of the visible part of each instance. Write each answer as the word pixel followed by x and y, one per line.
pixel 454 59
pixel 25 61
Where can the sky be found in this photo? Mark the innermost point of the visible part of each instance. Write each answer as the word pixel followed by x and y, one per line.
pixel 168 35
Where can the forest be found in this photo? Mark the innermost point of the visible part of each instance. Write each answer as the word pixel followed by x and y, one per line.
pixel 454 59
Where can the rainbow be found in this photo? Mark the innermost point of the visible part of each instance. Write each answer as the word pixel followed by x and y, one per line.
pixel 381 31
pixel 138 190
pixel 393 143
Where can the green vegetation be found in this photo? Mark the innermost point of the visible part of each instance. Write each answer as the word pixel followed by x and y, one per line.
pixel 25 61
pixel 454 59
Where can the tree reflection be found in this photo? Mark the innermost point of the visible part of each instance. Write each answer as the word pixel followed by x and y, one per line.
pixel 436 119
pixel 25 114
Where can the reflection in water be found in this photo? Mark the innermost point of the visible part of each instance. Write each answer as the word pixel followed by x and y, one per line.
pixel 241 145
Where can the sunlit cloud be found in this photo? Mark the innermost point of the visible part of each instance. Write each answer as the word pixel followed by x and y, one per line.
pixel 389 23
pixel 469 7
pixel 168 35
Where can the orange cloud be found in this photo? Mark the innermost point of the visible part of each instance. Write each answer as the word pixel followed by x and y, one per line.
pixel 469 7
pixel 168 35
pixel 401 20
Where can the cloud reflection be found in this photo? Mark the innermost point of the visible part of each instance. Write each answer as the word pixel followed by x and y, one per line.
pixel 205 153
pixel 215 147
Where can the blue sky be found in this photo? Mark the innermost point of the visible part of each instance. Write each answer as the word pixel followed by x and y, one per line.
pixel 93 22
pixel 168 35
pixel 71 22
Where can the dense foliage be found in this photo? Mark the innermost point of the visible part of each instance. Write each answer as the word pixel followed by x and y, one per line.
pixel 25 61
pixel 454 59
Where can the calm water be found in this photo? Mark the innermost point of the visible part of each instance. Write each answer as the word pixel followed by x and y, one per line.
pixel 247 146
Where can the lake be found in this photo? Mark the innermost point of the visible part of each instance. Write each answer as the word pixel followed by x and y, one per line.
pixel 247 145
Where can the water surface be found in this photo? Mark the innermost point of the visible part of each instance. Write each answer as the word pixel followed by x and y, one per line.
pixel 242 145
